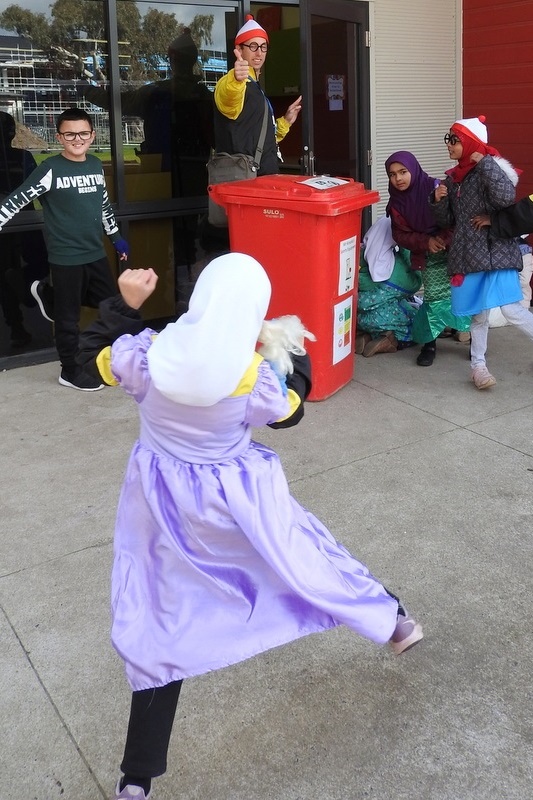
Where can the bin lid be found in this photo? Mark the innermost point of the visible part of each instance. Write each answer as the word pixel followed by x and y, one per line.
pixel 317 194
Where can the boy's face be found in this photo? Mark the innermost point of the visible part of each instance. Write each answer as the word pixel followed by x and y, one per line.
pixel 75 148
pixel 399 176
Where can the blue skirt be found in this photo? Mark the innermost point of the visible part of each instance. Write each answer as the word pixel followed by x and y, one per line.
pixel 484 290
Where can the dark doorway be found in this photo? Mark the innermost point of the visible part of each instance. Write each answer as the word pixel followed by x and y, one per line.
pixel 336 87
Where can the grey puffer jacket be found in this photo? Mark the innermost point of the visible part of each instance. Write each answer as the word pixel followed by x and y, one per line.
pixel 488 187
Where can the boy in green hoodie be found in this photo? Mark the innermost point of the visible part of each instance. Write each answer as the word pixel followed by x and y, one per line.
pixel 76 208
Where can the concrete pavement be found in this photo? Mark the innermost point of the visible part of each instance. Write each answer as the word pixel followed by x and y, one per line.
pixel 424 478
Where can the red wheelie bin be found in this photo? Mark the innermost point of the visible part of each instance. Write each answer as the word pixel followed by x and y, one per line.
pixel 306 233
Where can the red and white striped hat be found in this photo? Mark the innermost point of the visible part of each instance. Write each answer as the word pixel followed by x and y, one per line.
pixel 473 127
pixel 250 29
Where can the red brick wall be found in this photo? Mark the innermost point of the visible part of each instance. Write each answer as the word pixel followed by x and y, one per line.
pixel 498 77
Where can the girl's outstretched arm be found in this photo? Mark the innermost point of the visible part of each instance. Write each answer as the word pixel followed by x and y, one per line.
pixel 117 316
pixel 299 384
pixel 136 286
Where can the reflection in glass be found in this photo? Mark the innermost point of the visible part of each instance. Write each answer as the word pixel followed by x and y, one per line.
pixel 42 57
pixel 166 103
pixel 167 72
pixel 170 56
pixel 24 257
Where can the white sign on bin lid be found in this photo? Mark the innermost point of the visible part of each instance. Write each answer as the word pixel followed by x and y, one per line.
pixel 324 182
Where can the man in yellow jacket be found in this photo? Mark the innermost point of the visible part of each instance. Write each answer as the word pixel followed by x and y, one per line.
pixel 240 103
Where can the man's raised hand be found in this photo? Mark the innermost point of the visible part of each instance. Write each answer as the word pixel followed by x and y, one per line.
pixel 241 68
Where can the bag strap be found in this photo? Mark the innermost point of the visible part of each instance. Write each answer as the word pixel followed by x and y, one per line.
pixel 262 137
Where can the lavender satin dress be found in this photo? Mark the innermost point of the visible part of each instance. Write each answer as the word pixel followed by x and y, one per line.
pixel 214 560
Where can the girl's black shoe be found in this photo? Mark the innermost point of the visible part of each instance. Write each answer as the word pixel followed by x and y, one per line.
pixel 427 355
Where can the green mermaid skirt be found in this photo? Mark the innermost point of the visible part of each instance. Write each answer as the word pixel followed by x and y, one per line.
pixel 383 310
pixel 435 313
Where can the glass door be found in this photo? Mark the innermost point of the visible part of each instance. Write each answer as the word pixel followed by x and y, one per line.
pixel 336 88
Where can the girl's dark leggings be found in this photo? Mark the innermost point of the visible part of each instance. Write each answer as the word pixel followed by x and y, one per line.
pixel 151 719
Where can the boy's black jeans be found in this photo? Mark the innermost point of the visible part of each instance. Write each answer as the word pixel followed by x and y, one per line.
pixel 76 286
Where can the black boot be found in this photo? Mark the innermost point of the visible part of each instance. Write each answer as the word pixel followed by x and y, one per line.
pixel 427 354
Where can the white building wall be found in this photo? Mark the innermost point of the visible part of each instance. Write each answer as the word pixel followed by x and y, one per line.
pixel 415 82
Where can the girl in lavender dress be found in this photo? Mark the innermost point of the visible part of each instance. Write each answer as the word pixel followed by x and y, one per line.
pixel 214 560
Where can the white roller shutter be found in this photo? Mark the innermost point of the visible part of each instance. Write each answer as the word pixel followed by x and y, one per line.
pixel 415 86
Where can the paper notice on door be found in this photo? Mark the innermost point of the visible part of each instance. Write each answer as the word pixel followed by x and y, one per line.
pixel 335 92
pixel 323 182
pixel 347 249
pixel 342 329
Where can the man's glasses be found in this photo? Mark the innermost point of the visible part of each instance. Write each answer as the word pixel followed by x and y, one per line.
pixel 254 47
pixel 451 138
pixel 70 136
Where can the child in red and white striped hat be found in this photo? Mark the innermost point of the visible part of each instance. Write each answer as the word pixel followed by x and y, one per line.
pixel 484 268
